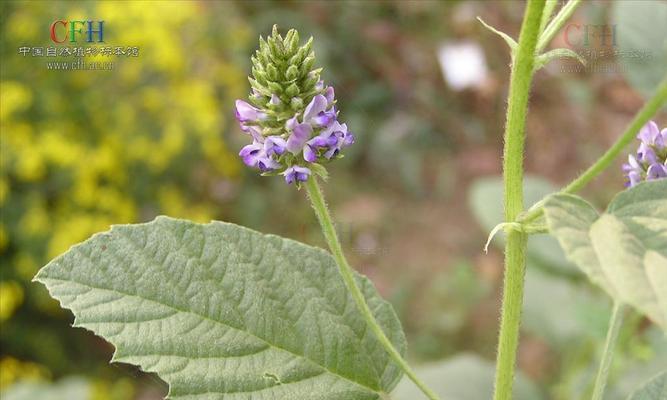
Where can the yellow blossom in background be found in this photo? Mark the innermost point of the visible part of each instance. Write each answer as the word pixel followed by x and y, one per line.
pixel 13 370
pixel 83 150
pixel 11 297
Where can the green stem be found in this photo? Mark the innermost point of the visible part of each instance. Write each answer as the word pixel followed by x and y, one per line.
pixel 643 116
pixel 515 247
pixel 554 26
pixel 323 216
pixel 607 356
pixel 546 14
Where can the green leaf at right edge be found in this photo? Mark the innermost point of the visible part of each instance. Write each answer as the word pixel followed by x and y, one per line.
pixel 655 389
pixel 624 250
pixel 221 311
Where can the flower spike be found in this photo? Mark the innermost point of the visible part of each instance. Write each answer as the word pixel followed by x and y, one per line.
pixel 291 114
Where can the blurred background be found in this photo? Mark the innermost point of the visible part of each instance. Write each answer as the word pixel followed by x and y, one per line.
pixel 423 86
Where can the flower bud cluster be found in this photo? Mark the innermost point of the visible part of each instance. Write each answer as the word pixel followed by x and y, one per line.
pixel 291 116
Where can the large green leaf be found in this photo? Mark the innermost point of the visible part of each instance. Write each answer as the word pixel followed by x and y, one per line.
pixel 561 311
pixel 655 389
pixel 623 250
pixel 463 377
pixel 486 202
pixel 221 311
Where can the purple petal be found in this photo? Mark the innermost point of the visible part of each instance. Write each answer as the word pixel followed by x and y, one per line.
pixel 274 100
pixel 332 152
pixel 296 173
pixel 302 173
pixel 319 141
pixel 250 154
pixel 634 177
pixel 246 112
pixel 252 131
pixel 267 164
pixel 289 175
pixel 316 106
pixel 324 118
pixel 656 171
pixel 348 140
pixel 291 123
pixel 309 154
pixel 649 133
pixel 646 154
pixel 633 162
pixel 275 145
pixel 298 138
pixel 329 95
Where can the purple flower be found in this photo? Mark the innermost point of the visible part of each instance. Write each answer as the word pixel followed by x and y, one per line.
pixel 255 155
pixel 296 174
pixel 267 164
pixel 656 171
pixel 337 137
pixel 651 160
pixel 245 112
pixel 324 118
pixel 300 134
pixel 251 153
pixel 275 145
pixel 650 135
pixel 316 106
pixel 315 133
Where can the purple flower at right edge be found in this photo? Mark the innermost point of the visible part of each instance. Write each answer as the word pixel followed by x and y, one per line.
pixel 650 162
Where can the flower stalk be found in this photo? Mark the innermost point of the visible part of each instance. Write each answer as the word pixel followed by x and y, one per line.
pixel 515 248
pixel 608 354
pixel 322 212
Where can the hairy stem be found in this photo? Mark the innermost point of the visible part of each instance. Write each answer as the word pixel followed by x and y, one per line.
pixel 515 247
pixel 326 223
pixel 643 116
pixel 608 354
pixel 554 26
pixel 546 14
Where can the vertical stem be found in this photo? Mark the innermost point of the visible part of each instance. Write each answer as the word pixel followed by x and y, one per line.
pixel 326 223
pixel 608 354
pixel 515 248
